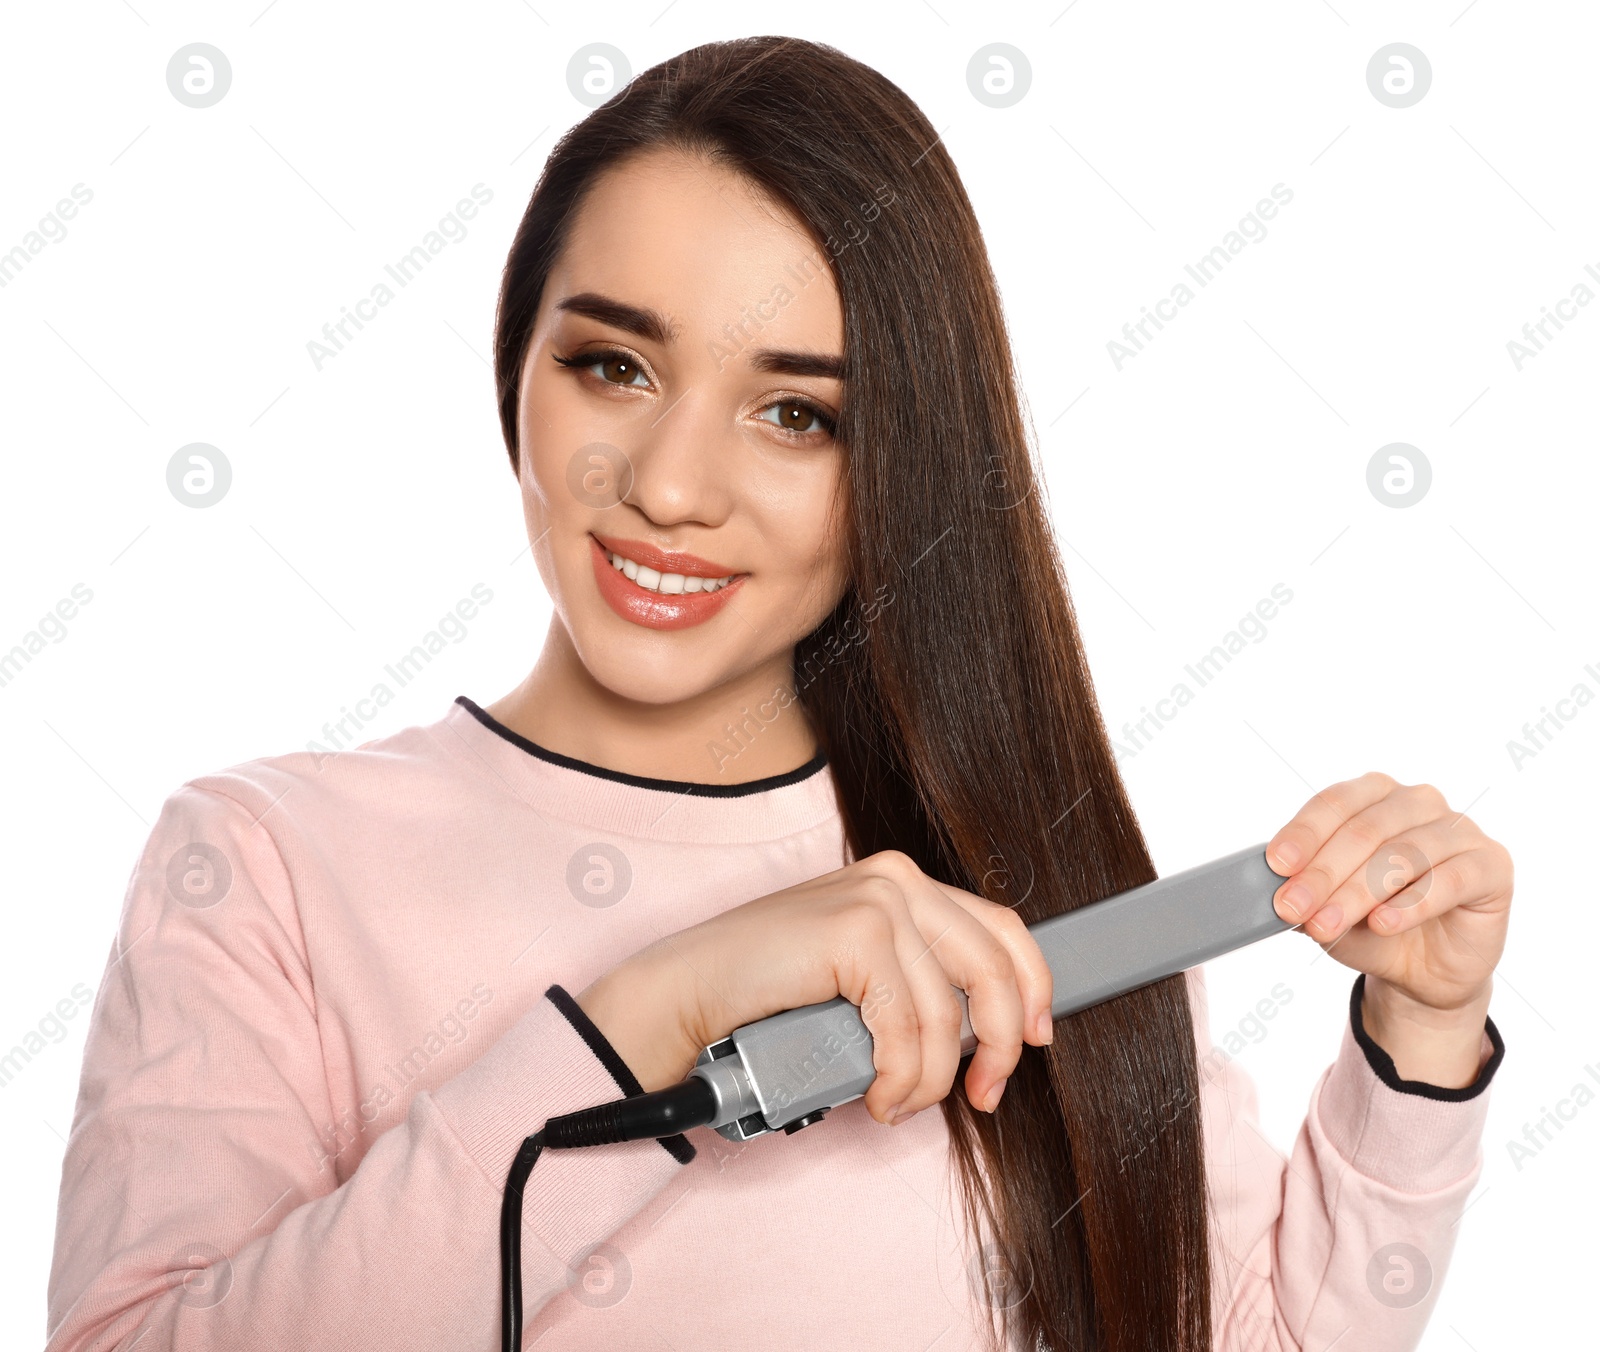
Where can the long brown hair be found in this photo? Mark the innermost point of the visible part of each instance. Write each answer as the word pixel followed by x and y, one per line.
pixel 949 687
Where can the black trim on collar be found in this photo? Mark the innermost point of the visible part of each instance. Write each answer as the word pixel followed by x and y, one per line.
pixel 678 786
pixel 1383 1064
pixel 679 1146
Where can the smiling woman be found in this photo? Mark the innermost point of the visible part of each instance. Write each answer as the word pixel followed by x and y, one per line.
pixel 831 523
pixel 728 469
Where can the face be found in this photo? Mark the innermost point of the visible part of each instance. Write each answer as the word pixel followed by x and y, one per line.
pixel 679 470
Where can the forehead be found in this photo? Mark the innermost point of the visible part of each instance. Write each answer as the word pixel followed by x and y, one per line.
pixel 704 245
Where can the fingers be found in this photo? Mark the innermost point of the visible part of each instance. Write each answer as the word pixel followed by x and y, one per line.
pixel 922 957
pixel 1400 865
pixel 1294 847
pixel 1329 892
pixel 1460 879
pixel 1034 980
pixel 942 943
pixel 981 966
pixel 1425 884
pixel 870 974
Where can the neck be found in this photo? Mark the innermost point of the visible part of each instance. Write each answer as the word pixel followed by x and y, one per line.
pixel 707 739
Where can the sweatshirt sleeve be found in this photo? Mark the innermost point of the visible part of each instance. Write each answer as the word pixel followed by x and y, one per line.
pixel 193 1213
pixel 1347 1240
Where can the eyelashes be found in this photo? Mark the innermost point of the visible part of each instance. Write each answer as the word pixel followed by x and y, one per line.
pixel 599 357
pixel 585 361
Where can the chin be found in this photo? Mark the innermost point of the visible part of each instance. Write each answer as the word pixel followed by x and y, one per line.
pixel 654 668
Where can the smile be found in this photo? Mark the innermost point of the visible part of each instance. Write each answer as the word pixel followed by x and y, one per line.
pixel 659 588
pixel 667 584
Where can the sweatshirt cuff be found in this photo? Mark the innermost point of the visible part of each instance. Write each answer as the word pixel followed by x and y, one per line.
pixel 676 1146
pixel 1410 1135
pixel 1383 1064
pixel 539 1068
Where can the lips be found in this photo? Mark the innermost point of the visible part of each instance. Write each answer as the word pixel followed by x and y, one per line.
pixel 664 560
pixel 657 609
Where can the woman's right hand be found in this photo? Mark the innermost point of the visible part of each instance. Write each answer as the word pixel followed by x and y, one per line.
pixel 879 932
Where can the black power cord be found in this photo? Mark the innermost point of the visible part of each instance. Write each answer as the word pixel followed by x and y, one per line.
pixel 666 1112
pixel 511 1242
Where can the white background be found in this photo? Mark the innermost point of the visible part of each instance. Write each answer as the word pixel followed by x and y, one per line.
pixel 1229 455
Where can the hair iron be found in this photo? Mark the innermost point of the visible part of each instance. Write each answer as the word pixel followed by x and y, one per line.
pixel 788 1070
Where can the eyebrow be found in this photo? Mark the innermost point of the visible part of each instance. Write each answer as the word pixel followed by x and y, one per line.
pixel 787 363
pixel 644 323
pixel 655 327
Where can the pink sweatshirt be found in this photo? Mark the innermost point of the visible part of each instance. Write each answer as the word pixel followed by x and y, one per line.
pixel 338 1000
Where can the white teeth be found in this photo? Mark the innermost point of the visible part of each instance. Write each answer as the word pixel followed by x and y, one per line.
pixel 667 584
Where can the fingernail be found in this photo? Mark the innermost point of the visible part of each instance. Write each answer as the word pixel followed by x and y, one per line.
pixel 1385 917
pixel 1329 918
pixel 1288 855
pixel 893 1113
pixel 1044 1028
pixel 1297 898
pixel 992 1099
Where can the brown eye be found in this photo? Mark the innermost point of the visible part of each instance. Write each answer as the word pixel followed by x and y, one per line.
pixel 612 366
pixel 796 416
pixel 618 370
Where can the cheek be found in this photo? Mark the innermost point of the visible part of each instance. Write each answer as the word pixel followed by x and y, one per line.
pixel 533 482
pixel 808 548
pixel 538 484
pixel 548 506
pixel 553 481
pixel 568 475
pixel 537 454
pixel 543 434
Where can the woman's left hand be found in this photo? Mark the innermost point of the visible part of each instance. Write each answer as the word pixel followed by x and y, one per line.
pixel 1392 882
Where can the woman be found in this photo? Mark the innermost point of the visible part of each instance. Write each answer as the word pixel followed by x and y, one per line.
pixel 811 718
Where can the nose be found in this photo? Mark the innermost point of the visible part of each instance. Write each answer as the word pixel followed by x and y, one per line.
pixel 684 463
